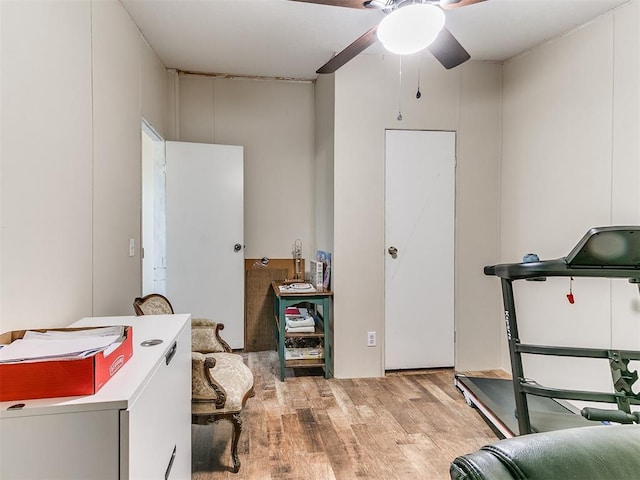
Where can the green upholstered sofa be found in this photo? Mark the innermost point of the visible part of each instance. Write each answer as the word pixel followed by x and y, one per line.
pixel 603 452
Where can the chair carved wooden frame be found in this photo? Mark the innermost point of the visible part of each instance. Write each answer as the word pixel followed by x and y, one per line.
pixel 221 383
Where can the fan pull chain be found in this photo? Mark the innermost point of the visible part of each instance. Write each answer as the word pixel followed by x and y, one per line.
pixel 418 94
pixel 399 117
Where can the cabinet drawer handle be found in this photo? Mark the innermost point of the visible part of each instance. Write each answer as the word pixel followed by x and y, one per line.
pixel 173 457
pixel 172 351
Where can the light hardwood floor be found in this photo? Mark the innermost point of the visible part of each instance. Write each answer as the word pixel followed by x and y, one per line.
pixel 403 426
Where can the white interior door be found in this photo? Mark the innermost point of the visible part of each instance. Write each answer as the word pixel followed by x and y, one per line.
pixel 205 234
pixel 419 224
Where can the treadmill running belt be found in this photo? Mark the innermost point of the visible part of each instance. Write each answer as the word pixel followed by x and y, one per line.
pixel 546 414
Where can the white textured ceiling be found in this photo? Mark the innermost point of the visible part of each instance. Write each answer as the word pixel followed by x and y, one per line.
pixel 282 38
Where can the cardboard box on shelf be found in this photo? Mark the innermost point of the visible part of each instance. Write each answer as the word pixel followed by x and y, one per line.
pixel 60 378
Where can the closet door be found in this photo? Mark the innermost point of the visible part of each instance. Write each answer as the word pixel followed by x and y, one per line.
pixel 205 234
pixel 419 266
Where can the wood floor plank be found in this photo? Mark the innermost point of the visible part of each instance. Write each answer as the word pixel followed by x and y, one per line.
pixel 406 425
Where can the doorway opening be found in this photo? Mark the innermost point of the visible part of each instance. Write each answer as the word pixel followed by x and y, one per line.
pixel 154 212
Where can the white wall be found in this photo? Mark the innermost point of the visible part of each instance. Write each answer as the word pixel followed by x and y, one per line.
pixel 358 243
pixel 479 327
pixel 324 157
pixel 71 91
pixel 466 100
pixel 570 162
pixel 117 154
pixel 274 121
pixel 46 173
pixel 1 175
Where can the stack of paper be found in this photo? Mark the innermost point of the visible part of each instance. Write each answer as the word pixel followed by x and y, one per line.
pixel 297 288
pixel 303 353
pixel 62 344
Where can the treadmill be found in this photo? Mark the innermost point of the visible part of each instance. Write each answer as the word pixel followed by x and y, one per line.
pixel 520 406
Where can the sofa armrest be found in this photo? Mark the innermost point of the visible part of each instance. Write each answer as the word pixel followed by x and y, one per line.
pixel 479 466
pixel 598 452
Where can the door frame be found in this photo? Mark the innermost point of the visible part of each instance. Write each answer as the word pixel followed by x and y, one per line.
pixel 443 183
pixel 153 212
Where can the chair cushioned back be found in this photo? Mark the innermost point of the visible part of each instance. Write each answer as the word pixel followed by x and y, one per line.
pixel 204 338
pixel 599 452
pixel 156 305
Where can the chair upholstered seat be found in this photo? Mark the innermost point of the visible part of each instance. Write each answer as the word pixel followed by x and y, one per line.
pixel 229 370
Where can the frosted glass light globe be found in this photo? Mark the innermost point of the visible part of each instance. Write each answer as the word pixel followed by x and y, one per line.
pixel 410 29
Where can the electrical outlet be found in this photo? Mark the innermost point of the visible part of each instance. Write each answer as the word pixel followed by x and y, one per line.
pixel 371 339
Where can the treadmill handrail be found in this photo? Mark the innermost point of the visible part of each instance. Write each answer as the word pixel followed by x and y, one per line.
pixel 585 352
pixel 558 268
pixel 564 394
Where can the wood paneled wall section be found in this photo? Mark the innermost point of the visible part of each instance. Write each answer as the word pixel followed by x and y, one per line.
pixel 259 326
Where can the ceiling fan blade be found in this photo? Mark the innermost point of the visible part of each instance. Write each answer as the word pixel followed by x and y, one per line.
pixel 449 4
pixel 448 50
pixel 336 3
pixel 357 47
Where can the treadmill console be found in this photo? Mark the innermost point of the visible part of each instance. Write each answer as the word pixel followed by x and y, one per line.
pixel 607 247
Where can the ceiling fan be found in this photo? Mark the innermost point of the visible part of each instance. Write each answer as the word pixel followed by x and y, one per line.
pixel 445 48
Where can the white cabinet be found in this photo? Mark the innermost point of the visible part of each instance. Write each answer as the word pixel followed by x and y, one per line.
pixel 138 426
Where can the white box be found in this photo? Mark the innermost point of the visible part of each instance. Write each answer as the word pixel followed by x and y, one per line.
pixel 316 273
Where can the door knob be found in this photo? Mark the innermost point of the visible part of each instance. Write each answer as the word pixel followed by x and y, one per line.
pixel 393 251
pixel 237 247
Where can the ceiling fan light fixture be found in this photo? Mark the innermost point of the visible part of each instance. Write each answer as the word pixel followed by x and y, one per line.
pixel 377 4
pixel 410 29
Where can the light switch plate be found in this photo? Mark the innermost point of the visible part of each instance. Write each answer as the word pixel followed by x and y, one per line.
pixel 132 247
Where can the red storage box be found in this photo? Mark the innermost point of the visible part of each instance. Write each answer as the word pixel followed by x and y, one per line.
pixel 60 378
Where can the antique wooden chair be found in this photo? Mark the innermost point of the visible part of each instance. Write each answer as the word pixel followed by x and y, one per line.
pixel 153 304
pixel 221 383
